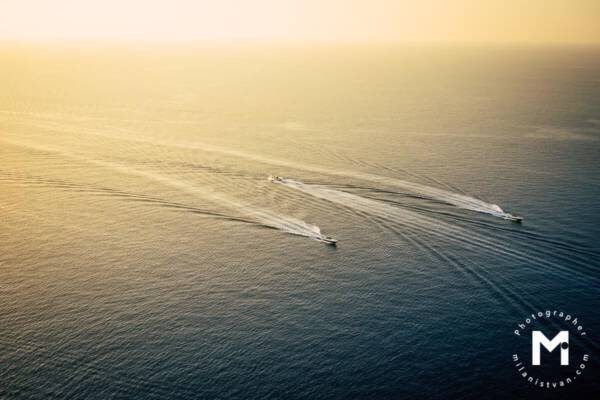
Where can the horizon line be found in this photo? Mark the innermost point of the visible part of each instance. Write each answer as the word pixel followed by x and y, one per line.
pixel 257 41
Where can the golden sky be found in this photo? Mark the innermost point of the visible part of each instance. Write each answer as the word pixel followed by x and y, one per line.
pixel 531 21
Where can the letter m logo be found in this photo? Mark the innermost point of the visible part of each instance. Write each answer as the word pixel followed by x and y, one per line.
pixel 538 339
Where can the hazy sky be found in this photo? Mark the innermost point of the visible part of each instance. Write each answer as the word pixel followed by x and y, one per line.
pixel 555 21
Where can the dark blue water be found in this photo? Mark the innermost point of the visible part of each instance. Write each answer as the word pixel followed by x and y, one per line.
pixel 144 254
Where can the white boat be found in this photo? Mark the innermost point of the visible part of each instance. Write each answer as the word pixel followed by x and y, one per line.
pixel 327 240
pixel 275 179
pixel 514 218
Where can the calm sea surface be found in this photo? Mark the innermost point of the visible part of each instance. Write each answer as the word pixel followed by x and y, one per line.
pixel 144 253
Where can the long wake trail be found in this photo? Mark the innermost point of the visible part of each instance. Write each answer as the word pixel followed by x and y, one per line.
pixel 427 225
pixel 437 194
pixel 441 195
pixel 265 218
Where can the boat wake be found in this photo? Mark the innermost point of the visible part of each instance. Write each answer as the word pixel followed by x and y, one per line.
pixel 422 224
pixel 433 193
pixel 441 195
pixel 264 218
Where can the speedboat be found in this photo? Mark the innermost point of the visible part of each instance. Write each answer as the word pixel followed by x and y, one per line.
pixel 275 179
pixel 327 240
pixel 514 218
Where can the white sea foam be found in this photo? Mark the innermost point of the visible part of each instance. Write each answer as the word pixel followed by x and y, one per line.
pixel 445 196
pixel 441 195
pixel 434 193
pixel 284 223
pixel 417 222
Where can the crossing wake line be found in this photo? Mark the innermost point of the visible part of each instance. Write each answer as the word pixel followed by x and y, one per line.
pixel 264 218
pixel 443 231
pixel 459 200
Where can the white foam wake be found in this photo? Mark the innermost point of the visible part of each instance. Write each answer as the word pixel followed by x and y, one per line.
pixel 278 221
pixel 441 195
pixel 433 193
pixel 419 223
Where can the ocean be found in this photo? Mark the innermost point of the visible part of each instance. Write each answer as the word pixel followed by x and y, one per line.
pixel 144 253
